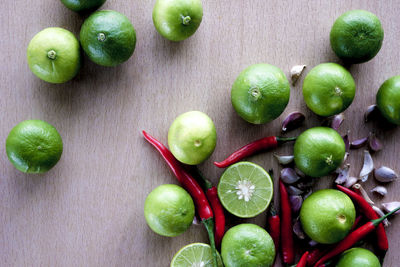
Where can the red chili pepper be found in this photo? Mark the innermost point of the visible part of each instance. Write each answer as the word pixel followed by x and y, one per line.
pixel 356 222
pixel 370 214
pixel 303 260
pixel 274 222
pixel 286 226
pixel 353 238
pixel 265 143
pixel 203 208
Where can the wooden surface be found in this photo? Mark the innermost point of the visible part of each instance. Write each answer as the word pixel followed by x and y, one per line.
pixel 88 210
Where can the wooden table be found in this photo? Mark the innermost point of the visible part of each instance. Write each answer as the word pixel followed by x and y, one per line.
pixel 88 210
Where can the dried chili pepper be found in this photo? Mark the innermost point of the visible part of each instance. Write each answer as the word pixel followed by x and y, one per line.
pixel 202 205
pixel 303 260
pixel 286 226
pixel 353 238
pixel 265 143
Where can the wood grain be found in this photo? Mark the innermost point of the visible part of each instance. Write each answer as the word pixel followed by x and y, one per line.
pixel 88 210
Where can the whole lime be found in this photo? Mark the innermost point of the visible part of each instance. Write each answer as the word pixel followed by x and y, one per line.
pixel 319 151
pixel 247 245
pixel 54 55
pixel 169 210
pixel 177 20
pixel 356 36
pixel 83 5
pixel 388 99
pixel 34 146
pixel 327 216
pixel 358 257
pixel 192 137
pixel 328 89
pixel 108 38
pixel 260 93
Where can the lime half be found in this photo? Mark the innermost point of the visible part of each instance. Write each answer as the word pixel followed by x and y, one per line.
pixel 193 255
pixel 245 189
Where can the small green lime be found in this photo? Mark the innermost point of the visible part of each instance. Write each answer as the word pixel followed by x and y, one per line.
pixel 34 146
pixel 169 210
pixel 388 99
pixel 328 89
pixel 245 189
pixel 54 55
pixel 260 93
pixel 356 36
pixel 358 257
pixel 192 137
pixel 195 255
pixel 83 5
pixel 177 20
pixel 319 151
pixel 327 216
pixel 108 38
pixel 247 245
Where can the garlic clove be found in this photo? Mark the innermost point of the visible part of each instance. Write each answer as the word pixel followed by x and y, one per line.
pixel 359 143
pixel 296 201
pixel 389 206
pixel 289 176
pixel 293 121
pixel 295 72
pixel 374 143
pixel 381 190
pixel 385 174
pixel 346 141
pixel 343 174
pixel 292 190
pixel 284 160
pixel 298 229
pixel 337 120
pixel 368 166
pixel 350 182
pixel 371 113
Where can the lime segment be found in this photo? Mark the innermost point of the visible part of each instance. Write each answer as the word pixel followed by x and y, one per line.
pixel 245 189
pixel 194 255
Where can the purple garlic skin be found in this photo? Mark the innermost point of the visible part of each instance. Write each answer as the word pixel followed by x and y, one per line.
pixel 389 206
pixel 359 143
pixel 293 121
pixel 346 142
pixel 371 113
pixel 289 176
pixel 374 143
pixel 294 191
pixel 298 230
pixel 337 120
pixel 385 174
pixel 296 201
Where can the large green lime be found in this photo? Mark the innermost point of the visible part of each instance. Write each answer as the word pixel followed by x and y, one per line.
pixel 108 38
pixel 247 245
pixel 327 216
pixel 356 36
pixel 34 146
pixel 358 257
pixel 192 137
pixel 177 20
pixel 245 189
pixel 328 89
pixel 169 210
pixel 319 151
pixel 54 55
pixel 195 255
pixel 260 93
pixel 83 5
pixel 388 99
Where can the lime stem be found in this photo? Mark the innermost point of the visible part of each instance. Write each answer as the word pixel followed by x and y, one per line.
pixel 52 54
pixel 101 37
pixel 186 20
pixel 209 224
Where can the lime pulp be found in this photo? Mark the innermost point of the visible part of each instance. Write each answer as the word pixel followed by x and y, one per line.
pixel 193 255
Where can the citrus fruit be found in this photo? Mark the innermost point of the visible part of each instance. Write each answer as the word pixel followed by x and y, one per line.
pixel 83 5
pixel 260 93
pixel 108 38
pixel 169 210
pixel 54 55
pixel 245 189
pixel 247 245
pixel 34 146
pixel 327 216
pixel 356 36
pixel 358 257
pixel 193 255
pixel 192 137
pixel 319 151
pixel 177 20
pixel 388 99
pixel 328 89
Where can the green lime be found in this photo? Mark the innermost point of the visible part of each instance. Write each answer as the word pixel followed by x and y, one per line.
pixel 319 151
pixel 177 20
pixel 388 99
pixel 192 137
pixel 54 55
pixel 245 189
pixel 83 5
pixel 328 89
pixel 34 146
pixel 260 93
pixel 327 216
pixel 356 36
pixel 169 210
pixel 247 245
pixel 358 257
pixel 108 38
pixel 195 255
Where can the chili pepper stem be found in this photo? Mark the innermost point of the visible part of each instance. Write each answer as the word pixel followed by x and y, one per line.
pixel 209 225
pixel 285 139
pixel 381 219
pixel 204 182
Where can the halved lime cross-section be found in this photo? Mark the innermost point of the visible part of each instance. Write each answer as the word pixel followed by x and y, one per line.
pixel 245 189
pixel 195 255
